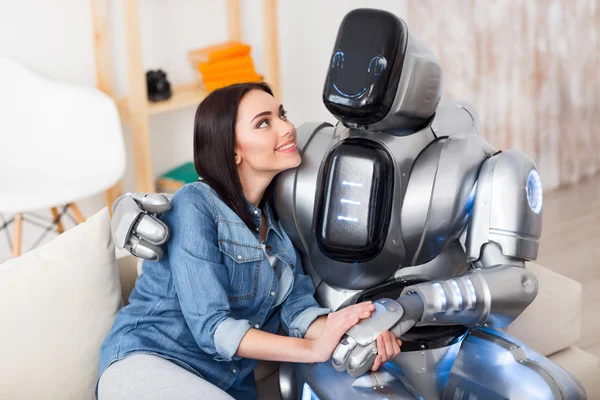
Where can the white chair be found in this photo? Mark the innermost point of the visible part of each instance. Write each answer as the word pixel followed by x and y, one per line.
pixel 59 143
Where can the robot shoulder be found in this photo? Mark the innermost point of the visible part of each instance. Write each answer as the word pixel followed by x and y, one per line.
pixel 439 194
pixel 507 207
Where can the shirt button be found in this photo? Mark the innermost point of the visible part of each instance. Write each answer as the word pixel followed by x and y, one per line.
pixel 272 293
pixel 257 326
pixel 239 257
pixel 292 266
pixel 256 212
pixel 234 371
pixel 268 247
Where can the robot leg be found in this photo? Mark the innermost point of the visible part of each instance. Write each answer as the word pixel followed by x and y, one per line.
pixel 320 381
pixel 415 374
pixel 492 365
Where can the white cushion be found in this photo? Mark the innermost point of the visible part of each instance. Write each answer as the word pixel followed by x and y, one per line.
pixel 57 303
pixel 585 367
pixel 552 322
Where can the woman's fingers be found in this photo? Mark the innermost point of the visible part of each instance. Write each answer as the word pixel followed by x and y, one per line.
pixel 376 364
pixel 349 323
pixel 381 352
pixel 388 338
pixel 395 345
pixel 366 307
pixel 364 314
pixel 361 310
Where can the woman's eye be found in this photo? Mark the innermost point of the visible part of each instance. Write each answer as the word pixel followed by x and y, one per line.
pixel 283 114
pixel 262 124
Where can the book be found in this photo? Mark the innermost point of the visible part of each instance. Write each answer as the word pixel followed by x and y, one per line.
pixel 219 52
pixel 225 74
pixel 212 85
pixel 237 62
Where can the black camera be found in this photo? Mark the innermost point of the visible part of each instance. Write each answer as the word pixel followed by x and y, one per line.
pixel 159 88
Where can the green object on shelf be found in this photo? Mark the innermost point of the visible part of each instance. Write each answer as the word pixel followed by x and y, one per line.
pixel 185 173
pixel 174 179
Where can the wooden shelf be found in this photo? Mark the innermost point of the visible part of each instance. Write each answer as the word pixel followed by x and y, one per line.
pixel 190 94
pixel 186 95
pixel 135 108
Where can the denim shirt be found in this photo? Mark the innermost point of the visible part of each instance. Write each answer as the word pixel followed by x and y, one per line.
pixel 213 284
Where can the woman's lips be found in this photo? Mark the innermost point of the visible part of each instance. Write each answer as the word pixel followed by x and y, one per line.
pixel 287 147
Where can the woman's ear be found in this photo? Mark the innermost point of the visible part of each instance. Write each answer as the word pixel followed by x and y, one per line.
pixel 237 158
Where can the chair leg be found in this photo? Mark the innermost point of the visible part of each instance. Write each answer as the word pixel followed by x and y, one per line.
pixel 16 250
pixel 76 213
pixel 59 226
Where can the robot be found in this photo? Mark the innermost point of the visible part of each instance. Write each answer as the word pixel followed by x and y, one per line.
pixel 403 203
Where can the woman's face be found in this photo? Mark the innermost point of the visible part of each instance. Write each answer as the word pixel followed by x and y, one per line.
pixel 265 139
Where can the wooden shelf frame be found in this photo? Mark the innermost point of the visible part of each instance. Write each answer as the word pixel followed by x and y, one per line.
pixel 135 109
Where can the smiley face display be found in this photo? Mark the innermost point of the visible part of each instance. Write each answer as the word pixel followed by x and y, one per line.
pixel 352 77
pixel 365 66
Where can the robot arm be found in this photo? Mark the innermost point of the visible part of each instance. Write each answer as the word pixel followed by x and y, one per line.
pixel 492 296
pixel 136 226
pixel 503 233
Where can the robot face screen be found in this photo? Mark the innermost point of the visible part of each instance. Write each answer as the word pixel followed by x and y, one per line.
pixel 365 66
pixel 354 205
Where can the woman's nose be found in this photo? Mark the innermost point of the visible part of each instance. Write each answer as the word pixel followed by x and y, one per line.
pixel 286 129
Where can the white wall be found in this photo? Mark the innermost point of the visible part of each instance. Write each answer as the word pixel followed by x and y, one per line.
pixel 55 37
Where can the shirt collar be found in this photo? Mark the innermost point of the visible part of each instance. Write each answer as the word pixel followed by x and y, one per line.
pixel 269 215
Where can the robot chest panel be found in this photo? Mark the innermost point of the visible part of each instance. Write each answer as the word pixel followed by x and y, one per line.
pixel 355 203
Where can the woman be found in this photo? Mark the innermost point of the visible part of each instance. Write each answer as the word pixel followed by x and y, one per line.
pixel 199 319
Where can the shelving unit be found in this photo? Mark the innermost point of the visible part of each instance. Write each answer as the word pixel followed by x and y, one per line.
pixel 135 109
pixel 189 94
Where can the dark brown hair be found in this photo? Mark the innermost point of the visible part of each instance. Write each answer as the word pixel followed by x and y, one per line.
pixel 214 146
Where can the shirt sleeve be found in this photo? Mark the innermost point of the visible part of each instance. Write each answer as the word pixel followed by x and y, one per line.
pixel 300 308
pixel 200 279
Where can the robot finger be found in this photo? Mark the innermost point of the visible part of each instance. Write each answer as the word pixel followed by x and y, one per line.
pixel 152 230
pixel 154 203
pixel 361 360
pixel 125 217
pixel 142 249
pixel 340 356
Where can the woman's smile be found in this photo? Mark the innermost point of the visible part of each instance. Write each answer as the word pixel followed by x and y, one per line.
pixel 287 147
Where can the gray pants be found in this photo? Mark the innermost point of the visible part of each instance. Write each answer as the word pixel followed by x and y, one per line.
pixel 148 377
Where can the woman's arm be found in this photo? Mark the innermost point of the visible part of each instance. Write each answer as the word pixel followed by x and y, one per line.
pixel 316 328
pixel 261 345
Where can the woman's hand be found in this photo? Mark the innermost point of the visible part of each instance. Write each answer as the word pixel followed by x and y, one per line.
pixel 336 326
pixel 388 347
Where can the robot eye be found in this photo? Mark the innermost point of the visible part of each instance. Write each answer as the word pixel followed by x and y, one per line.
pixel 337 60
pixel 377 65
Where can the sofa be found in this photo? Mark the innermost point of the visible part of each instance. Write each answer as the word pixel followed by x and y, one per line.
pixel 58 301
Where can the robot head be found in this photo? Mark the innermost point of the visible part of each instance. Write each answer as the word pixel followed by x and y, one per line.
pixel 380 77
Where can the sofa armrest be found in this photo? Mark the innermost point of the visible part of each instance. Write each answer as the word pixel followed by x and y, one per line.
pixel 584 366
pixel 552 322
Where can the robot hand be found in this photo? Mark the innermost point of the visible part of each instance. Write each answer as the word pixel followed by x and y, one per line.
pixel 357 350
pixel 135 225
